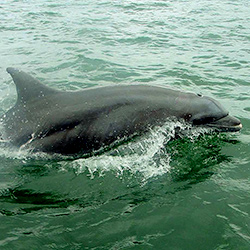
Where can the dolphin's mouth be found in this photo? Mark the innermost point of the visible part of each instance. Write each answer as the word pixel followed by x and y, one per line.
pixel 226 124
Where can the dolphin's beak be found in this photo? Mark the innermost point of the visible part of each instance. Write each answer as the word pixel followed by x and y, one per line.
pixel 226 124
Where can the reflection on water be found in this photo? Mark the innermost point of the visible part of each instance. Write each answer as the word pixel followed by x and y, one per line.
pixel 195 160
pixel 137 169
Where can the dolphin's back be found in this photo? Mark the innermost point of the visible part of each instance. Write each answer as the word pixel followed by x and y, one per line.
pixel 50 120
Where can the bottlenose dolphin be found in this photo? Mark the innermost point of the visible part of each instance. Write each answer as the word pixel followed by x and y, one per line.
pixel 55 121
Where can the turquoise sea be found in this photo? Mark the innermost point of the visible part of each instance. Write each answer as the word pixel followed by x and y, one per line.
pixel 152 192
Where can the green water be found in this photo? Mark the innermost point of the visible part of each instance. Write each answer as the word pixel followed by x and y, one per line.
pixel 151 193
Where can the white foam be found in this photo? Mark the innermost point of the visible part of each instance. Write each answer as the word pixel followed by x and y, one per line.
pixel 145 156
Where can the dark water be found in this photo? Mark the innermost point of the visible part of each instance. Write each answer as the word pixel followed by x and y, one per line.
pixel 153 192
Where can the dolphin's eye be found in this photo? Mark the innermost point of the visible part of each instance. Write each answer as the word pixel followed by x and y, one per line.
pixel 187 117
pixel 199 95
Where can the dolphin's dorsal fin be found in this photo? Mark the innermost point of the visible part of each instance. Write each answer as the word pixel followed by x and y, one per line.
pixel 28 87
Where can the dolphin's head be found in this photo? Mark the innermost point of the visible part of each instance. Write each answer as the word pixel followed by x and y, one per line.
pixel 206 111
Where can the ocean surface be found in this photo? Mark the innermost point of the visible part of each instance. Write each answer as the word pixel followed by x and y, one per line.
pixel 152 192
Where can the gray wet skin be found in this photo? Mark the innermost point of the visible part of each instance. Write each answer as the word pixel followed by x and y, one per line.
pixel 49 120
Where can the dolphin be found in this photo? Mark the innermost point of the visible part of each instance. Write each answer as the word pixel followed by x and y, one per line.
pixel 55 121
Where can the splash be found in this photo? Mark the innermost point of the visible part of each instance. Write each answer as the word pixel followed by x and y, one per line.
pixel 144 157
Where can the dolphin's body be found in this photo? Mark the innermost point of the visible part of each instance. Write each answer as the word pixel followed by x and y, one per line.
pixel 49 120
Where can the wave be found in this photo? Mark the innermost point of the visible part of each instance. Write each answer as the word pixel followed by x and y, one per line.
pixel 145 156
